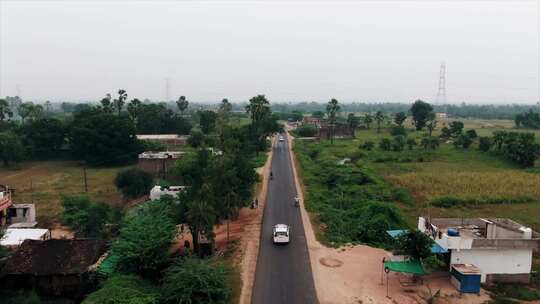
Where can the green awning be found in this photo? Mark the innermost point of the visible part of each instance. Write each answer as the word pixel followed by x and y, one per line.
pixel 108 266
pixel 413 267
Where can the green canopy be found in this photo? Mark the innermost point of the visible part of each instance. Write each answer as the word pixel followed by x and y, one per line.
pixel 414 267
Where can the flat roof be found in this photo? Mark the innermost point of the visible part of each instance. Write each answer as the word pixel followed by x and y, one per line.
pixel 15 236
pixel 160 136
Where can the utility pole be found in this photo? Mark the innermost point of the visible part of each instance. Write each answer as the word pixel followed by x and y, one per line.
pixel 85 180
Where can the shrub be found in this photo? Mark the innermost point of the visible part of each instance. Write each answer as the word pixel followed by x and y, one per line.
pixel 307 130
pixel 484 144
pixel 398 130
pixel 133 182
pixel 368 145
pixel 197 281
pixel 84 216
pixel 520 147
pixel 356 155
pixel 463 141
pixel 376 218
pixel 385 144
pixel 430 142
pixel 124 289
pixel 471 134
pixel 398 143
pixel 196 138
pixel 411 142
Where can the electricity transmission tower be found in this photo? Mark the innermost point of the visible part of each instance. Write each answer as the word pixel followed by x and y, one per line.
pixel 441 93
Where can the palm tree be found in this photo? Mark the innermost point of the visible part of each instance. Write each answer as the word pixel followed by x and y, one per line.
pixel 106 103
pixel 47 107
pixel 134 108
pixel 353 122
pixel 119 103
pixel 368 119
pixel 258 110
pixel 379 118
pixel 201 216
pixel 331 110
pixel 182 104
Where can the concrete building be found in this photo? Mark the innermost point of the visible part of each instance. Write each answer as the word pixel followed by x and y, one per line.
pixel 170 140
pixel 158 163
pixel 501 248
pixel 22 216
pixel 5 203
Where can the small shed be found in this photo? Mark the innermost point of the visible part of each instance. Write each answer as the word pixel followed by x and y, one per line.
pixel 466 278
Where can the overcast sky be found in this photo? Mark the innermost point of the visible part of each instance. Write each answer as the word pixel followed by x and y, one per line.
pixel 291 51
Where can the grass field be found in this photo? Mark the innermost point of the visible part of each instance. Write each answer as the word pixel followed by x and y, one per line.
pixel 43 183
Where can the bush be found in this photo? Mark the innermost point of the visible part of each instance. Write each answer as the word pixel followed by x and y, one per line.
pixel 463 141
pixel 307 130
pixel 368 145
pixel 484 144
pixel 398 130
pixel 133 182
pixel 196 138
pixel 430 142
pixel 356 155
pixel 398 143
pixel 471 134
pixel 84 216
pixel 375 220
pixel 197 281
pixel 385 144
pixel 127 289
pixel 414 244
pixel 411 142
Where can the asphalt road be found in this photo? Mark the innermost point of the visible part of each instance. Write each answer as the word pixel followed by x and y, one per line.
pixel 283 272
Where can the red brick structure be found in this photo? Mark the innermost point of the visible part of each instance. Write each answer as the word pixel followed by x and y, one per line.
pixel 158 163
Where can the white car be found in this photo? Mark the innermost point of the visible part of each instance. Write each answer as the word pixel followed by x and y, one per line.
pixel 281 138
pixel 280 234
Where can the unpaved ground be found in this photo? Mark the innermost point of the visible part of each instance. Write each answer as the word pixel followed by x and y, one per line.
pixel 354 274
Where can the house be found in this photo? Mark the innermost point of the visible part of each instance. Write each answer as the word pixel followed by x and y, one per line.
pixel 339 130
pixel 169 140
pixel 158 163
pixel 21 216
pixel 16 236
pixel 311 120
pixel 5 203
pixel 500 248
pixel 441 115
pixel 53 267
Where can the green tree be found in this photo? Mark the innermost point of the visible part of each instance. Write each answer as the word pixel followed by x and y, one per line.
pixel 44 137
pixel 191 281
pixel 430 143
pixel 456 128
pixel 463 141
pixel 368 120
pixel 196 138
pixel 484 144
pixel 84 216
pixel 296 115
pixel 5 110
pixel 225 106
pixel 259 112
pixel 102 138
pixel 420 113
pixel 414 244
pixel 471 134
pixel 11 148
pixel 182 104
pixel 499 138
pixel 400 118
pixel 332 108
pixel 133 182
pixel 134 109
pixel 306 131
pixel 207 120
pixel 368 145
pixel 30 110
pixel 318 114
pixel 431 122
pixel 379 118
pixel 124 289
pixel 120 101
pixel 145 237
pixel 107 103
pixel 353 122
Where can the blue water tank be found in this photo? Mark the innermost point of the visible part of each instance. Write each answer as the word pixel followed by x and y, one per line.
pixel 453 232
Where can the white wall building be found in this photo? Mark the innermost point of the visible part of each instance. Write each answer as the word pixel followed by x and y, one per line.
pixel 501 248
pixel 157 191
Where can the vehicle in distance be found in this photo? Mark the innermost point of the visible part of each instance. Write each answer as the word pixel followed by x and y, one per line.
pixel 281 138
pixel 280 234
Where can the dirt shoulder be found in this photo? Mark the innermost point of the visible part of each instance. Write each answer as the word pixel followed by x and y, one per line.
pixel 354 274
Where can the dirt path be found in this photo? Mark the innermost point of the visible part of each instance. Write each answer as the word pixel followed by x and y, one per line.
pixel 353 274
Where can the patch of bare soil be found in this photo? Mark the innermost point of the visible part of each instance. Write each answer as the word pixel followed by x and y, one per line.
pixel 330 262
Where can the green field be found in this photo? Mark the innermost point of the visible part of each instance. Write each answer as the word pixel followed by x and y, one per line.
pixel 43 183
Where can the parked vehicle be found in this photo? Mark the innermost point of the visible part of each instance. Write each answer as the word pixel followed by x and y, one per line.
pixel 280 234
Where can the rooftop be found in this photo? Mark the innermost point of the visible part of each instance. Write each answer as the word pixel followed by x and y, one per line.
pixel 53 257
pixel 161 155
pixel 15 236
pixel 159 136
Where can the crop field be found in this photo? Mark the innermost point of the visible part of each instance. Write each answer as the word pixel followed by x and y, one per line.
pixel 43 183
